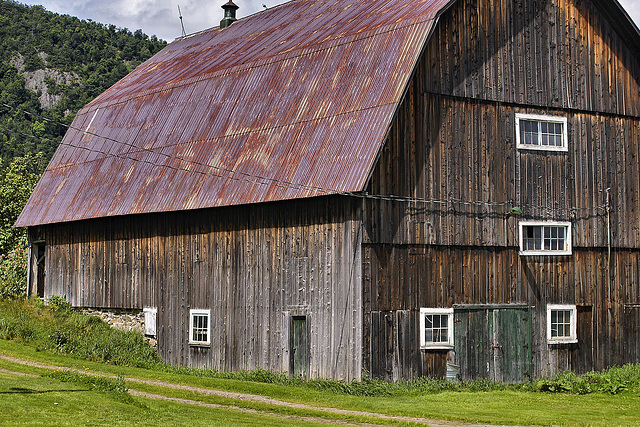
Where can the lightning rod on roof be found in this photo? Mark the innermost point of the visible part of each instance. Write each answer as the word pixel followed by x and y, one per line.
pixel 181 23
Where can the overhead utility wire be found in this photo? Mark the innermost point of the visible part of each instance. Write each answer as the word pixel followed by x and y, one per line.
pixel 169 156
pixel 265 180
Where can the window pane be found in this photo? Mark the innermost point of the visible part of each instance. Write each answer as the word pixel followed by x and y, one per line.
pixel 436 328
pixel 200 324
pixel 541 133
pixel 560 323
pixel 548 238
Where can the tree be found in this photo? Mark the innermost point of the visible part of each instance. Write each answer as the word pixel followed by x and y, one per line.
pixel 17 181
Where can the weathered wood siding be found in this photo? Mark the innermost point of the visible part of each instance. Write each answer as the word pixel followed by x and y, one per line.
pixel 547 53
pixel 252 266
pixel 401 279
pixel 453 144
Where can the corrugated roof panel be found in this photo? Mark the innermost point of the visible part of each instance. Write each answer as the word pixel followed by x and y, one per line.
pixel 291 102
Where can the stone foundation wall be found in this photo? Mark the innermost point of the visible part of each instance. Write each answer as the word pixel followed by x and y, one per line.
pixel 125 320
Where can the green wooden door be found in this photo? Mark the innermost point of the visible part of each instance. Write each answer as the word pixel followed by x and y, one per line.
pixel 299 347
pixel 493 342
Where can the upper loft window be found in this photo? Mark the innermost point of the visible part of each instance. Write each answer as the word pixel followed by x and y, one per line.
pixel 545 238
pixel 535 132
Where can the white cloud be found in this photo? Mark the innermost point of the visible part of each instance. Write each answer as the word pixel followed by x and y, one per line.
pixel 159 17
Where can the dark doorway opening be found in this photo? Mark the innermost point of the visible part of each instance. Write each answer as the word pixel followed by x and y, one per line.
pixel 37 268
pixel 299 347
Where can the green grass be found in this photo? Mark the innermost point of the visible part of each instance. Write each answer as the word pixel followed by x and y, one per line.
pixel 46 402
pixel 493 407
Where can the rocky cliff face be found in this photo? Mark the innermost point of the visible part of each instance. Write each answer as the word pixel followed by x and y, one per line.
pixel 37 80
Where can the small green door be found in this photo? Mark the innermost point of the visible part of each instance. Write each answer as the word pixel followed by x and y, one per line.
pixel 493 342
pixel 299 347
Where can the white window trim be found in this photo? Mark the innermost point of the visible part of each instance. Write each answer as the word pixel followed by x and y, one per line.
pixel 200 312
pixel 568 243
pixel 542 118
pixel 440 345
pixel 573 338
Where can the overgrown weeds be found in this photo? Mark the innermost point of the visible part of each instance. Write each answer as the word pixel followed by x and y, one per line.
pixel 59 328
pixel 614 380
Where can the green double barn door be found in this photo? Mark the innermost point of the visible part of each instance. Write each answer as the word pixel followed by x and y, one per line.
pixel 493 342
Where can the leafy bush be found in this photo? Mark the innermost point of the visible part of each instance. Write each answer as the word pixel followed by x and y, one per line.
pixel 613 380
pixel 17 181
pixel 13 273
pixel 59 304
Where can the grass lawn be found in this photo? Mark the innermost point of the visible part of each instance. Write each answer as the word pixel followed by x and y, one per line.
pixel 45 402
pixel 32 401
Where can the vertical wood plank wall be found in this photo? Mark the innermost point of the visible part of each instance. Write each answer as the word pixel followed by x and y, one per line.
pixel 250 265
pixel 453 141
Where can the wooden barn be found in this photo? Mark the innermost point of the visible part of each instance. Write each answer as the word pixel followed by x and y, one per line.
pixel 333 186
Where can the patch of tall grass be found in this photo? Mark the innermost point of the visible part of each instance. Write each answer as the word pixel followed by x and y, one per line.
pixel 59 328
pixel 115 387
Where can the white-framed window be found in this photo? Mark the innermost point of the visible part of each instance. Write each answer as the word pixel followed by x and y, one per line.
pixel 562 324
pixel 537 132
pixel 545 238
pixel 199 327
pixel 436 328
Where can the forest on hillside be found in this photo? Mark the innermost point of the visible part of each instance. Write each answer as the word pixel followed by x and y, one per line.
pixel 71 59
pixel 51 66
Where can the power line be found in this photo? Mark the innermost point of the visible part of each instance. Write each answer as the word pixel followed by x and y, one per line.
pixel 287 184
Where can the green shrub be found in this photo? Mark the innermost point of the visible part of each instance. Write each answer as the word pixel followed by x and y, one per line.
pixel 614 380
pixel 13 273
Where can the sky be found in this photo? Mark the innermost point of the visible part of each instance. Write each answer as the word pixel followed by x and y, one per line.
pixel 160 17
pixel 154 17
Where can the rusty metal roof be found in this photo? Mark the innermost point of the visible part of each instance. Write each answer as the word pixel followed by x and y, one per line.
pixel 291 102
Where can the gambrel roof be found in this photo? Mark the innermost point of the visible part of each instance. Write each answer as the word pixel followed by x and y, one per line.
pixel 291 102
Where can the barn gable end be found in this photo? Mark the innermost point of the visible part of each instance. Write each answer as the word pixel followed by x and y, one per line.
pixel 464 188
